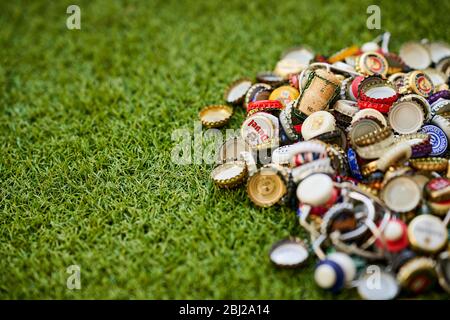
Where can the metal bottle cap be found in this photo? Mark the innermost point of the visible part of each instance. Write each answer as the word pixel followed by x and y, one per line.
pixel 289 253
pixel 427 233
pixel 215 116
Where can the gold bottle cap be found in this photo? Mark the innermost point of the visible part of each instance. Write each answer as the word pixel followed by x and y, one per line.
pixel 417 275
pixel 427 233
pixel 266 187
pixel 215 116
pixel 374 137
pixel 229 174
pixel 399 153
pixel 371 63
pixel 439 208
pixel 419 83
pixel 429 164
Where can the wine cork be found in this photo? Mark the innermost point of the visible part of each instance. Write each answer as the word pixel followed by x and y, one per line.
pixel 318 95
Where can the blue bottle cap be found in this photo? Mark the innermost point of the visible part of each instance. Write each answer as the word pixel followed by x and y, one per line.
pixel 438 139
pixel 339 280
pixel 353 164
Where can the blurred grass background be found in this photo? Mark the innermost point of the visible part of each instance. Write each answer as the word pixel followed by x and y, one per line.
pixel 86 121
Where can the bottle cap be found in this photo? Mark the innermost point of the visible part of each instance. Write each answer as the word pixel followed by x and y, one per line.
pixel 284 94
pixel 344 53
pixel 427 233
pixel 395 236
pixel 288 66
pixel 374 137
pixel 443 123
pixel 266 187
pixel 287 122
pixel 265 106
pixel 270 78
pixel 370 114
pixel 401 194
pixel 417 275
pixel 419 83
pixel 371 63
pixel 438 189
pixel 397 79
pixel 440 106
pixel 289 253
pixel 253 91
pixel 303 55
pixel 353 92
pixel 317 123
pixel 370 46
pixel 281 155
pixel 259 131
pixel 415 55
pixel 406 117
pixel 229 174
pixel 343 67
pixel 335 137
pixel 385 287
pixel 347 264
pixel 419 142
pixel 438 50
pixel 362 127
pixel 395 63
pixel 439 208
pixel 329 275
pixel 235 93
pixel 438 139
pixel 376 150
pixel 231 150
pixel 429 164
pixel 444 66
pixel 438 78
pixel 400 258
pixel 397 154
pixel 443 270
pixel 353 164
pixel 215 116
pixel 346 107
pixel 377 90
pixel 315 190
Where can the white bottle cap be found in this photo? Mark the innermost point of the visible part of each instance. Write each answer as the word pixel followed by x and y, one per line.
pixel 325 276
pixel 393 231
pixel 346 263
pixel 317 123
pixel 315 190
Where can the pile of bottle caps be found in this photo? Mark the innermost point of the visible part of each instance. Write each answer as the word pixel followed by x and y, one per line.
pixel 356 144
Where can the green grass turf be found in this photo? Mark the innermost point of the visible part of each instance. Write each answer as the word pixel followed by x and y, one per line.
pixel 86 121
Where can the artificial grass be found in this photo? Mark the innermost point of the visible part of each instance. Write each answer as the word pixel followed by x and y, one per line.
pixel 86 121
